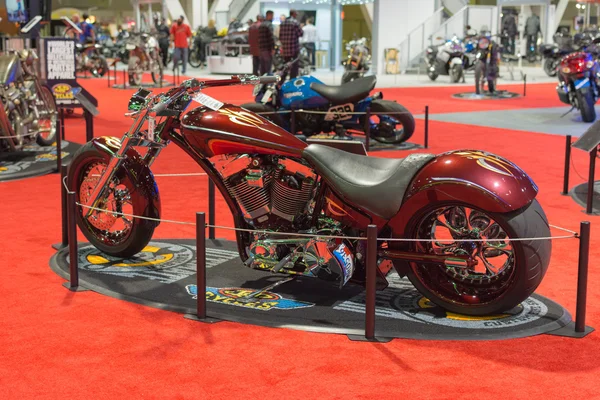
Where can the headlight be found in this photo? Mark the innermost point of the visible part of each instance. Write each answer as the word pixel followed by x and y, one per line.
pixel 257 89
pixel 566 70
pixel 589 64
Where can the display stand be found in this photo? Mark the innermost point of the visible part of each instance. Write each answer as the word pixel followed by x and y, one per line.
pixel 589 143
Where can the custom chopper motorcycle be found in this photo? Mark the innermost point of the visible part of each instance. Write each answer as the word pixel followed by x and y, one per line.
pixel 358 61
pixel 578 83
pixel 28 110
pixel 144 56
pixel 335 106
pixel 448 59
pixel 460 209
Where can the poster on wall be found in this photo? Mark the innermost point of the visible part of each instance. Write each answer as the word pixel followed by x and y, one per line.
pixel 61 72
pixel 16 10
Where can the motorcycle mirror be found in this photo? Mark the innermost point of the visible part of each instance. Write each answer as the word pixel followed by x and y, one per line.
pixel 34 21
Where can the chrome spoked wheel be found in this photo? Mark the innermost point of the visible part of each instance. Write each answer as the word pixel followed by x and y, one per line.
pixel 109 227
pixel 466 232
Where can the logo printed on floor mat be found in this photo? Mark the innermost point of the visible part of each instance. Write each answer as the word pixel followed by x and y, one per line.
pixel 402 301
pixel 163 262
pixel 263 301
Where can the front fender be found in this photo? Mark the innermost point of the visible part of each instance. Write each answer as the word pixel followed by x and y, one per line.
pixel 137 170
pixel 474 177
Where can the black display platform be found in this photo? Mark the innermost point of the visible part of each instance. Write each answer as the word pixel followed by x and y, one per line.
pixel 163 275
pixel 579 194
pixel 33 161
pixel 498 95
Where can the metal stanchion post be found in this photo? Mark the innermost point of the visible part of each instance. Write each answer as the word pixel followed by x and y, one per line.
pixel 567 166
pixel 73 284
pixel 59 141
pixel 590 195
pixel 200 314
pixel 368 129
pixel 293 121
pixel 89 126
pixel 108 77
pixel 211 208
pixel 524 85
pixel 582 276
pixel 63 210
pixel 115 71
pixel 371 277
pixel 426 138
pixel 62 123
pixel 124 79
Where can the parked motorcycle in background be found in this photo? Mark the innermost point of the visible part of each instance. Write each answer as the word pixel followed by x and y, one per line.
pixel 358 61
pixel 447 59
pixel 144 56
pixel 335 106
pixel 89 57
pixel 28 110
pixel 578 83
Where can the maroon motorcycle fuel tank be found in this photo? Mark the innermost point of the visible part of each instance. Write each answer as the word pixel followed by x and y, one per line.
pixel 234 130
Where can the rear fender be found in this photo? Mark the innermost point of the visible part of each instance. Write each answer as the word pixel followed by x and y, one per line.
pixel 472 177
pixel 136 169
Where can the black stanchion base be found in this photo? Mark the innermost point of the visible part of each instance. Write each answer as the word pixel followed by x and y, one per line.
pixel 75 289
pixel 498 95
pixel 59 246
pixel 569 331
pixel 359 338
pixel 579 194
pixel 207 320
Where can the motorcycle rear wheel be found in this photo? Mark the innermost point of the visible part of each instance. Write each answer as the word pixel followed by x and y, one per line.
pixel 194 59
pixel 393 128
pixel 102 228
pixel 586 105
pixel 498 288
pixel 50 123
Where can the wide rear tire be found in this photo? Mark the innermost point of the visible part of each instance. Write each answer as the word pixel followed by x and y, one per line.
pixel 87 161
pixel 531 262
pixel 550 65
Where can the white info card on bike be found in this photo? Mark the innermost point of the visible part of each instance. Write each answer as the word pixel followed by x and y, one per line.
pixel 208 101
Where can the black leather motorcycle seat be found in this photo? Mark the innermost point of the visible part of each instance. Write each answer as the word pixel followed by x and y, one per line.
pixel 347 93
pixel 8 64
pixel 374 184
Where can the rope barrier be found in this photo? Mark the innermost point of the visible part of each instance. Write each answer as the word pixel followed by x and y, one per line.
pixel 328 112
pixel 18 136
pixel 169 175
pixel 308 235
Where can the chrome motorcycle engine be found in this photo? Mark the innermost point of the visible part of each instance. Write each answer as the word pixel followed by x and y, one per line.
pixel 277 194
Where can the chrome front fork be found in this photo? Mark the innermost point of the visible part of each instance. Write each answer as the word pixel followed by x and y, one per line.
pixel 129 140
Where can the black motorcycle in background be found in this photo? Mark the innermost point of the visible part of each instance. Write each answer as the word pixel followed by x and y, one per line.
pixel 358 61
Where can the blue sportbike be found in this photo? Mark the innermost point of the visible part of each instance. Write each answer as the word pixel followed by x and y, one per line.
pixel 338 108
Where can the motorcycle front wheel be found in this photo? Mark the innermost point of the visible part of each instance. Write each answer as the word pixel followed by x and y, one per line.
pixel 550 66
pixel 349 76
pixel 157 71
pixel 507 272
pixel 47 122
pixel 114 234
pixel 456 73
pixel 100 66
pixel 391 122
pixel 586 105
pixel 135 71
pixel 194 59
pixel 432 74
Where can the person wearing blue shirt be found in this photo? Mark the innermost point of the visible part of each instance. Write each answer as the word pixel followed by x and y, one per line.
pixel 88 35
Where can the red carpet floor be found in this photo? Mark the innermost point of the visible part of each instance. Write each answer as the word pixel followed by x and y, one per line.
pixel 55 344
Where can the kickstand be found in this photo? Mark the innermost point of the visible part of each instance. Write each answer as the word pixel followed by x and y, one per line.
pixel 271 286
pixel 572 108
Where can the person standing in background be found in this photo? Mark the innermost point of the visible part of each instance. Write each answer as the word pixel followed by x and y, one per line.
pixel 163 39
pixel 88 35
pixel 289 36
pixel 310 38
pixel 206 36
pixel 254 44
pixel 180 37
pixel 266 44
